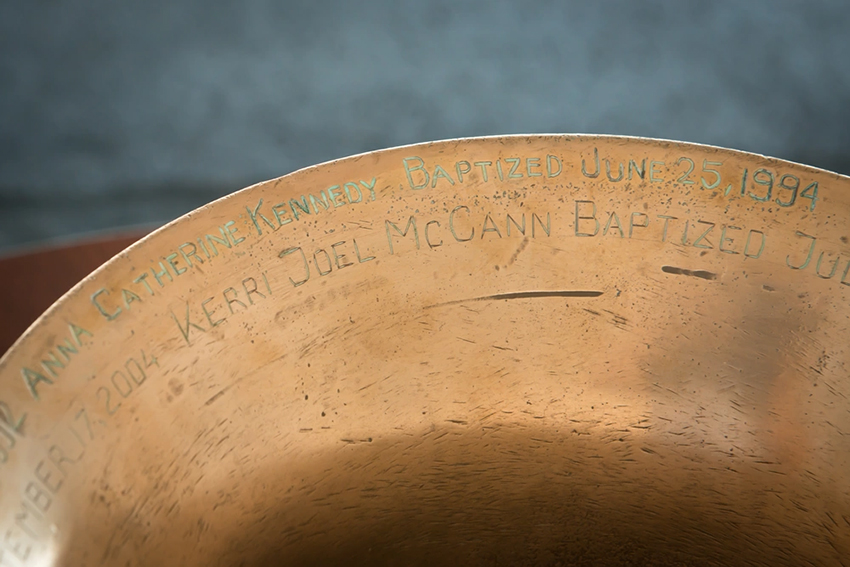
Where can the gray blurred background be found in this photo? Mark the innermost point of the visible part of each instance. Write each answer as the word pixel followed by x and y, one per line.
pixel 116 113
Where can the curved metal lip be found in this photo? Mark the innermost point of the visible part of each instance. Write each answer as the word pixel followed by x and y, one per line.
pixel 448 141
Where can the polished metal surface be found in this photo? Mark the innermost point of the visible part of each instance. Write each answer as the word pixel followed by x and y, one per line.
pixel 544 350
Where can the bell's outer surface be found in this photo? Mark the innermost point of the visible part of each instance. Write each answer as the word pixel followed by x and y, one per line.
pixel 546 350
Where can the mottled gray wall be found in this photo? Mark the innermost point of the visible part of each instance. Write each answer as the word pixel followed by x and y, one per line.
pixel 122 112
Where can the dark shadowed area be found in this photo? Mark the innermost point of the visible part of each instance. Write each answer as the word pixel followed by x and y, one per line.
pixel 126 113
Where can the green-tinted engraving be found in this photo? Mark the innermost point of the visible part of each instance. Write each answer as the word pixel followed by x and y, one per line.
pixel 186 330
pixel 230 301
pixel 792 188
pixel 640 171
pixel 255 288
pixel 322 201
pixel 702 240
pixel 520 227
pixel 192 253
pixel 834 267
pixel 159 275
pixel 492 228
pixel 653 174
pixel 763 177
pixel 595 170
pixel 608 171
pixel 316 262
pixel 811 193
pixel 256 213
pixel 724 239
pixel 230 227
pixel 684 179
pixel 460 171
pixel 428 236
pixel 667 220
pixel 747 252
pixel 452 224
pixel 632 224
pixel 172 259
pixel 299 207
pixel 334 196
pixel 213 240
pixel 411 222
pixel 370 186
pixel 289 251
pixel 52 363
pixel 580 217
pixel 94 299
pixel 420 167
pixel 744 182
pixel 142 279
pixel 348 187
pixel 360 259
pixel 612 222
pixel 340 258
pixel 483 165
pixel 550 172
pixel 31 379
pixel 67 349
pixel 808 254
pixel 440 173
pixel 706 169
pixel 512 174
pixel 215 323
pixel 280 211
pixel 547 227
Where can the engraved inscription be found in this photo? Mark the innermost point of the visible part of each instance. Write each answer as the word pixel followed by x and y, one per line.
pixel 273 217
pixel 55 360
pixel 232 282
pixel 590 221
pixel 421 175
pixel 213 311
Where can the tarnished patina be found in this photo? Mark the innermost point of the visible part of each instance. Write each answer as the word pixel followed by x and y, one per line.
pixel 549 350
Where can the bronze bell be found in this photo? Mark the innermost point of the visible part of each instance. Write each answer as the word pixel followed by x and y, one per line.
pixel 530 350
